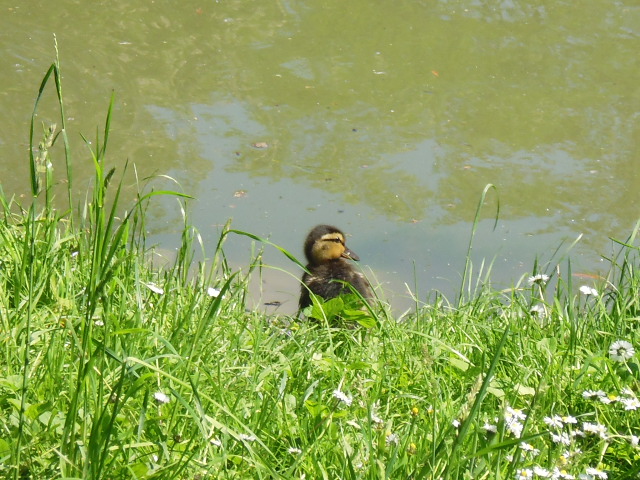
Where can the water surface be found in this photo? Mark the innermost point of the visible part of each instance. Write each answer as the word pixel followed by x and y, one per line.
pixel 387 119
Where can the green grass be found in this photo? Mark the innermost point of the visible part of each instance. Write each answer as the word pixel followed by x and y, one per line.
pixel 112 368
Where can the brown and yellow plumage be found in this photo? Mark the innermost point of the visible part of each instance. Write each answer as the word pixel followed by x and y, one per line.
pixel 329 267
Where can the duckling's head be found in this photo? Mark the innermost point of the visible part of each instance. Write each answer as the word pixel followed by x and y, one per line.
pixel 326 243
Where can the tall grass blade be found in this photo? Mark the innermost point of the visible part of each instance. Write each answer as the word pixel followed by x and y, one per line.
pixel 476 221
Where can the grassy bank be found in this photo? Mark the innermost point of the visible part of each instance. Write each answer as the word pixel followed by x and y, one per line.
pixel 111 368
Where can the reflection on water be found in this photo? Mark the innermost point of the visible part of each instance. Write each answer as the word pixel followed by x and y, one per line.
pixel 385 119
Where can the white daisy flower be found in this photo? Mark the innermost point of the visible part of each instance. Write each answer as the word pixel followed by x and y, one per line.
pixel 621 350
pixel 524 474
pixel 294 451
pixel 587 290
pixel 593 393
pixel 527 447
pixel 555 421
pixel 557 473
pixel 161 397
pixel 541 472
pixel 154 288
pixel 213 292
pixel 343 397
pixel 540 278
pixel 595 428
pixel 392 439
pixel 538 309
pixel 595 473
pixel 611 398
pixel 562 438
pixel 515 428
pixel 490 428
pixel 515 414
pixel 630 403
pixel 247 438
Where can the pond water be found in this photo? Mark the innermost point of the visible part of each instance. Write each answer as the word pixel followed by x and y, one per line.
pixel 387 119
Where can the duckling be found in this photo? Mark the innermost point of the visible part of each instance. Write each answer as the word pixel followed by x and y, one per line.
pixel 328 267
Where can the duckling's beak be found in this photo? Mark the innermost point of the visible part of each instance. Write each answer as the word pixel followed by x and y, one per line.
pixel 351 255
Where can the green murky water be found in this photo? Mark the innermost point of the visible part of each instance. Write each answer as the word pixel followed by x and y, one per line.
pixel 385 118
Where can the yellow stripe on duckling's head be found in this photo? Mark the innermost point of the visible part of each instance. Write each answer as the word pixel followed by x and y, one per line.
pixel 326 243
pixel 328 247
pixel 328 273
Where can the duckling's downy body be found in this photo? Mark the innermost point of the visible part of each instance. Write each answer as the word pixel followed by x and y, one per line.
pixel 329 266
